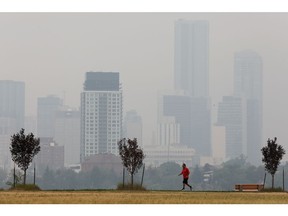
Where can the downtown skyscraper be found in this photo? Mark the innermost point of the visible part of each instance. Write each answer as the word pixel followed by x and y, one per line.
pixel 12 113
pixel 101 114
pixel 241 113
pixel 191 76
pixel 184 115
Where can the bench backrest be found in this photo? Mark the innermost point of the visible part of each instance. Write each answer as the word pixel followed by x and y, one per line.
pixel 249 187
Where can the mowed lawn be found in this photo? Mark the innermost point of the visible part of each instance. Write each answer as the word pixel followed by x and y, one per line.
pixel 146 197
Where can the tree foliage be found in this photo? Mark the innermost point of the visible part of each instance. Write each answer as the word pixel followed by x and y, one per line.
pixel 23 149
pixel 272 155
pixel 131 155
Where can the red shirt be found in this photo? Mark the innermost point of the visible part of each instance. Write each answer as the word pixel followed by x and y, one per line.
pixel 185 172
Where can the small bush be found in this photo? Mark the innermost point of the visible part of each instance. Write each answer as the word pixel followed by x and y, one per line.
pixel 129 187
pixel 27 187
pixel 278 189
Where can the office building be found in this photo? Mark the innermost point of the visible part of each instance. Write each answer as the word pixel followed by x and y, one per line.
pixel 191 57
pixel 189 119
pixel 46 110
pixel 101 114
pixel 133 126
pixel 51 155
pixel 12 112
pixel 191 76
pixel 248 83
pixel 67 134
pixel 241 113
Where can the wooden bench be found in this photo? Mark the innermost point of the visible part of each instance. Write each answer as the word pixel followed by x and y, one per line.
pixel 249 187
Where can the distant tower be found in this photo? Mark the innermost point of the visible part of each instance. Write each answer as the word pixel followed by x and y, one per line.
pixel 12 112
pixel 101 114
pixel 67 134
pixel 191 58
pixel 241 113
pixel 191 75
pixel 248 85
pixel 133 126
pixel 46 111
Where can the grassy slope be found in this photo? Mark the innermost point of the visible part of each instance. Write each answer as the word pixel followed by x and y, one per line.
pixel 146 197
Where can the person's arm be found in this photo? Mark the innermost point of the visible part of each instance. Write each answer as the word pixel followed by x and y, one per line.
pixel 181 173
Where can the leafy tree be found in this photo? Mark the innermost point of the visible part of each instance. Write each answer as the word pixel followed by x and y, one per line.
pixel 23 149
pixel 131 155
pixel 272 155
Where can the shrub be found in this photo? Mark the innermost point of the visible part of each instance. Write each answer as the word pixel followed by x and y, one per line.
pixel 278 189
pixel 27 187
pixel 130 187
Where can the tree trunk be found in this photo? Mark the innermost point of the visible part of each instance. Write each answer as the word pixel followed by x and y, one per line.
pixel 132 175
pixel 272 181
pixel 24 181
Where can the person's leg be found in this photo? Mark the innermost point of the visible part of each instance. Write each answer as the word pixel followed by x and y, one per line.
pixel 189 186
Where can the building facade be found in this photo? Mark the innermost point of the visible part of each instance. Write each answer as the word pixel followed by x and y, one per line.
pixel 101 114
pixel 241 113
pixel 67 134
pixel 191 75
pixel 46 111
pixel 248 82
pixel 133 126
pixel 12 113
pixel 191 57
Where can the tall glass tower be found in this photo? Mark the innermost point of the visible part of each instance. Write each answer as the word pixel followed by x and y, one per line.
pixel 12 112
pixel 191 58
pixel 191 76
pixel 241 113
pixel 248 85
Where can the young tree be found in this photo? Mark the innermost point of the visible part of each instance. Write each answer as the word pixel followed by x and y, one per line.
pixel 272 155
pixel 131 155
pixel 23 149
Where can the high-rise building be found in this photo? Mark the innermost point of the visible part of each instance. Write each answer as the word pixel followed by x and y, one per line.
pixel 12 112
pixel 191 75
pixel 12 101
pixel 133 126
pixel 241 113
pixel 101 114
pixel 248 85
pixel 51 155
pixel 232 115
pixel 67 134
pixel 191 57
pixel 191 122
pixel 46 111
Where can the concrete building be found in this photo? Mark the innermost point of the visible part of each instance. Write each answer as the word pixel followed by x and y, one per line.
pixel 191 57
pixel 241 113
pixel 46 110
pixel 12 112
pixel 232 115
pixel 191 75
pixel 67 134
pixel 191 118
pixel 51 155
pixel 248 82
pixel 133 126
pixel 157 155
pixel 106 161
pixel 101 114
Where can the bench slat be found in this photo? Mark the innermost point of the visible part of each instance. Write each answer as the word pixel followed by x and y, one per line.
pixel 249 187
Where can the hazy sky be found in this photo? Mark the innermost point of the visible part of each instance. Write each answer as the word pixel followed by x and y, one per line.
pixel 51 52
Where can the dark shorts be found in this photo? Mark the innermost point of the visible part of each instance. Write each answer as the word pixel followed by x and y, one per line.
pixel 185 181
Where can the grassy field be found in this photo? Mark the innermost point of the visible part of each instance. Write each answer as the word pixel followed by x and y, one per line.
pixel 143 197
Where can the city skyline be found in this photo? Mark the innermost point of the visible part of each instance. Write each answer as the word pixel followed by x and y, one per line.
pixel 147 69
